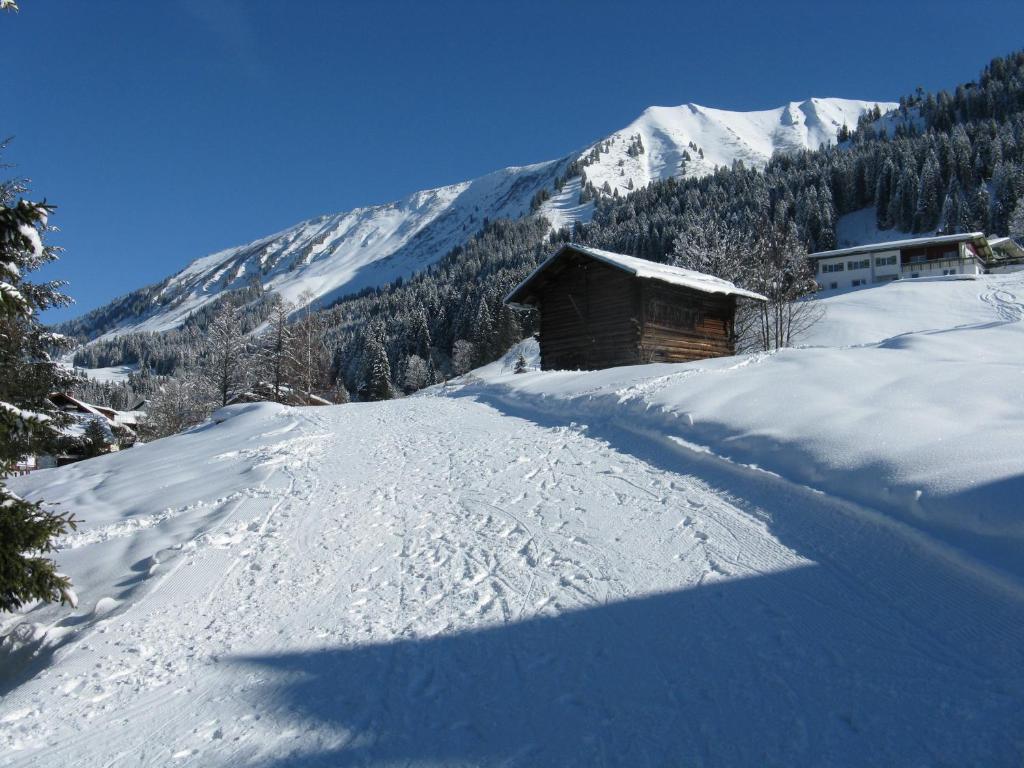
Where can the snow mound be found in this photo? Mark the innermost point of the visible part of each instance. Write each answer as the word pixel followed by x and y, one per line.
pixel 910 401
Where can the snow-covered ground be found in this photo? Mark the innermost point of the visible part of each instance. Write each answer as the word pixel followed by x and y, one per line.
pixel 111 375
pixel 558 569
pixel 861 228
pixel 906 397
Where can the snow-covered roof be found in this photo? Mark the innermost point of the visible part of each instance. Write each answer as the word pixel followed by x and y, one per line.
pixel 641 268
pixel 913 242
pixel 1007 247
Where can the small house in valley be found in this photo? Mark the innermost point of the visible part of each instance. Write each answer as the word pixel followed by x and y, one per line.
pixel 970 254
pixel 600 309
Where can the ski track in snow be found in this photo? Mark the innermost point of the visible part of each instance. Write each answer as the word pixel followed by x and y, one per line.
pixel 430 581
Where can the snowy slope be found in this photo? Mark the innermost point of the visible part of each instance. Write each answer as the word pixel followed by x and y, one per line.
pixel 723 136
pixel 340 254
pixel 907 397
pixel 564 568
pixel 346 252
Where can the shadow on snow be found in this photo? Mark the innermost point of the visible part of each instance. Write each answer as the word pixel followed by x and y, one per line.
pixel 874 656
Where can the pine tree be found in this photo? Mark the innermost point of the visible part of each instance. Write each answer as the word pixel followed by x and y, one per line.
pixel 95 439
pixel 926 215
pixel 950 217
pixel 376 367
pixel 483 333
pixel 1016 225
pixel 29 423
pixel 883 195
pixel 521 365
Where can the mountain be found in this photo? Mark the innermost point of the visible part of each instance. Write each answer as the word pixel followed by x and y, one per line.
pixel 652 147
pixel 331 256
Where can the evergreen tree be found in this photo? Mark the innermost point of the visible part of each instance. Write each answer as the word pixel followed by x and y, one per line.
pixel 949 219
pixel 29 423
pixel 376 367
pixel 883 195
pixel 926 215
pixel 95 439
pixel 1016 226
pixel 521 365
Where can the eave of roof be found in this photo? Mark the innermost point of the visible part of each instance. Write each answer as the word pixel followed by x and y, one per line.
pixel 640 268
pixel 900 244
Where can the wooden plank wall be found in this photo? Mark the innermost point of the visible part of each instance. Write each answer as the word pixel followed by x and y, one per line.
pixel 698 325
pixel 589 317
pixel 595 316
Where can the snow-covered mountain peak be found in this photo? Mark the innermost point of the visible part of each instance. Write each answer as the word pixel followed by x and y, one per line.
pixel 692 140
pixel 338 254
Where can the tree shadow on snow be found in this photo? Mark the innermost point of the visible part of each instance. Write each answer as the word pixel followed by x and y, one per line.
pixel 749 672
pixel 880 658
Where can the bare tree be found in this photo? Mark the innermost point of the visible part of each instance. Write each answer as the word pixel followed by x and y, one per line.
pixel 277 364
pixel 224 367
pixel 779 270
pixel 463 353
pixel 311 354
pixel 763 256
pixel 181 402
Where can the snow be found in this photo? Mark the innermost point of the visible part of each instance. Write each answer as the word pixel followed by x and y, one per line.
pixel 648 270
pixel 804 558
pixel 910 402
pixel 563 208
pixel 110 375
pixel 861 228
pixel 724 136
pixel 32 235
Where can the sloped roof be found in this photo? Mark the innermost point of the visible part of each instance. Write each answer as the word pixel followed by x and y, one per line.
pixel 913 242
pixel 641 268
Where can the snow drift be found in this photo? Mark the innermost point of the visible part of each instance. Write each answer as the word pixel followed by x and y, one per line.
pixel 905 397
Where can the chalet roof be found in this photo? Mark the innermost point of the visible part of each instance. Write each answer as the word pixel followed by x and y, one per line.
pixel 640 268
pixel 914 242
pixel 1007 248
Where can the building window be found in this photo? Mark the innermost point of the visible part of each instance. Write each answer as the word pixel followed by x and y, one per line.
pixel 858 283
pixel 833 286
pixel 832 267
pixel 915 274
pixel 885 261
pixel 862 264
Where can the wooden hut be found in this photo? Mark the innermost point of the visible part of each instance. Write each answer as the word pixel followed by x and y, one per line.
pixel 600 309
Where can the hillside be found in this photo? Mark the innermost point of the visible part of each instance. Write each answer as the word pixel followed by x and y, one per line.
pixel 804 558
pixel 335 255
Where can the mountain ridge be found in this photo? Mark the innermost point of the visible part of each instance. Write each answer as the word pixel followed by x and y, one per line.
pixel 326 257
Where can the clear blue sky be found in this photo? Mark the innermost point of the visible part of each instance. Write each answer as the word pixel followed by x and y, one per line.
pixel 165 130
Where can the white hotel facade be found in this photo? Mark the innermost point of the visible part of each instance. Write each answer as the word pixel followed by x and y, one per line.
pixel 962 254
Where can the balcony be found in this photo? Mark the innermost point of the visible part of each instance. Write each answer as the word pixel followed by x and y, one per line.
pixel 934 264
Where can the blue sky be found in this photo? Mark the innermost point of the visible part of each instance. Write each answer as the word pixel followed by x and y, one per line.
pixel 167 130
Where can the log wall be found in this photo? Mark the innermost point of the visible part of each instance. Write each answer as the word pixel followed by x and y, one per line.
pixel 594 316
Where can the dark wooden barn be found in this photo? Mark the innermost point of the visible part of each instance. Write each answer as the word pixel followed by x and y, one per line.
pixel 600 309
